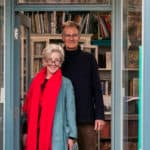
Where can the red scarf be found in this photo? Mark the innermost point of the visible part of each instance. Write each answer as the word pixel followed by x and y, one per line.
pixel 48 100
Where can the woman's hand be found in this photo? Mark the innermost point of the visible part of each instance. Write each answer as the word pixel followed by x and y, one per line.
pixel 24 138
pixel 70 144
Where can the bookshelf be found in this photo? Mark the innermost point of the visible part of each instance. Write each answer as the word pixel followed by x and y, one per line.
pixel 38 42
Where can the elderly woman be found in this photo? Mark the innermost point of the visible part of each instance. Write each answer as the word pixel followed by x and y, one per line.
pixel 50 106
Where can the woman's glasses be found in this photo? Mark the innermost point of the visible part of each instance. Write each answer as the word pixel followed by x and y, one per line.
pixel 55 62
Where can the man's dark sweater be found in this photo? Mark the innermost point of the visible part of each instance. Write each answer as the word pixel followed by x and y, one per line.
pixel 81 68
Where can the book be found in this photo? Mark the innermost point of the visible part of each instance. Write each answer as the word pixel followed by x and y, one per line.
pixel 33 24
pixel 104 27
pixel 106 131
pixel 42 22
pixel 132 124
pixel 102 60
pixel 37 23
pixel 53 23
pixel 38 48
pixel 133 59
pixel 107 87
pixel 46 22
pixel 107 103
pixel 133 87
pixel 108 60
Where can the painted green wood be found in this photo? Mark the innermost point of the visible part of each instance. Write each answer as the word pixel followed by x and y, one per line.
pixel 9 78
pixel 140 102
pixel 101 42
pixel 146 75
pixel 16 82
pixel 63 7
pixel 117 110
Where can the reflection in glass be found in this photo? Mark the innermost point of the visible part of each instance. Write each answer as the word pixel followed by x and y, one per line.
pixel 132 41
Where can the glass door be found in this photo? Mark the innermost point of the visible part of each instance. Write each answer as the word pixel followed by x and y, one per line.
pixel 132 25
pixel 22 56
pixel 95 18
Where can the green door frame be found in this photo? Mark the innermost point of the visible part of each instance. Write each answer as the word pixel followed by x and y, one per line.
pixel 146 74
pixel 9 123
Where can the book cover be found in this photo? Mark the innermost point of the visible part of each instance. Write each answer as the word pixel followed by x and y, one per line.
pixel 106 131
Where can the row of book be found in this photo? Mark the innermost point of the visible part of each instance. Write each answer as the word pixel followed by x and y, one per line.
pixel 38 48
pixel 134 2
pixel 37 65
pixel 105 60
pixel 106 145
pixel 51 22
pixel 130 102
pixel 132 59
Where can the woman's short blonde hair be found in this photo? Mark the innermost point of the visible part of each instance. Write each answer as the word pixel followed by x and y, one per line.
pixel 50 48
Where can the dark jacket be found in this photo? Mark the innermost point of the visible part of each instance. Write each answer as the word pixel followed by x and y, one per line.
pixel 81 68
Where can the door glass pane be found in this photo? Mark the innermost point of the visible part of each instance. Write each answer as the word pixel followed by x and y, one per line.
pixel 1 70
pixel 65 1
pixel 132 40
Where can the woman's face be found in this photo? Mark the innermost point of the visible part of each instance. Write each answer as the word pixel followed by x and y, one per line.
pixel 53 62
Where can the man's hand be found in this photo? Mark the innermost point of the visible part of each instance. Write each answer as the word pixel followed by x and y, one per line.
pixel 99 124
pixel 70 144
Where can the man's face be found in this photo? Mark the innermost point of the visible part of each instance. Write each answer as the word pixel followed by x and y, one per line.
pixel 71 38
